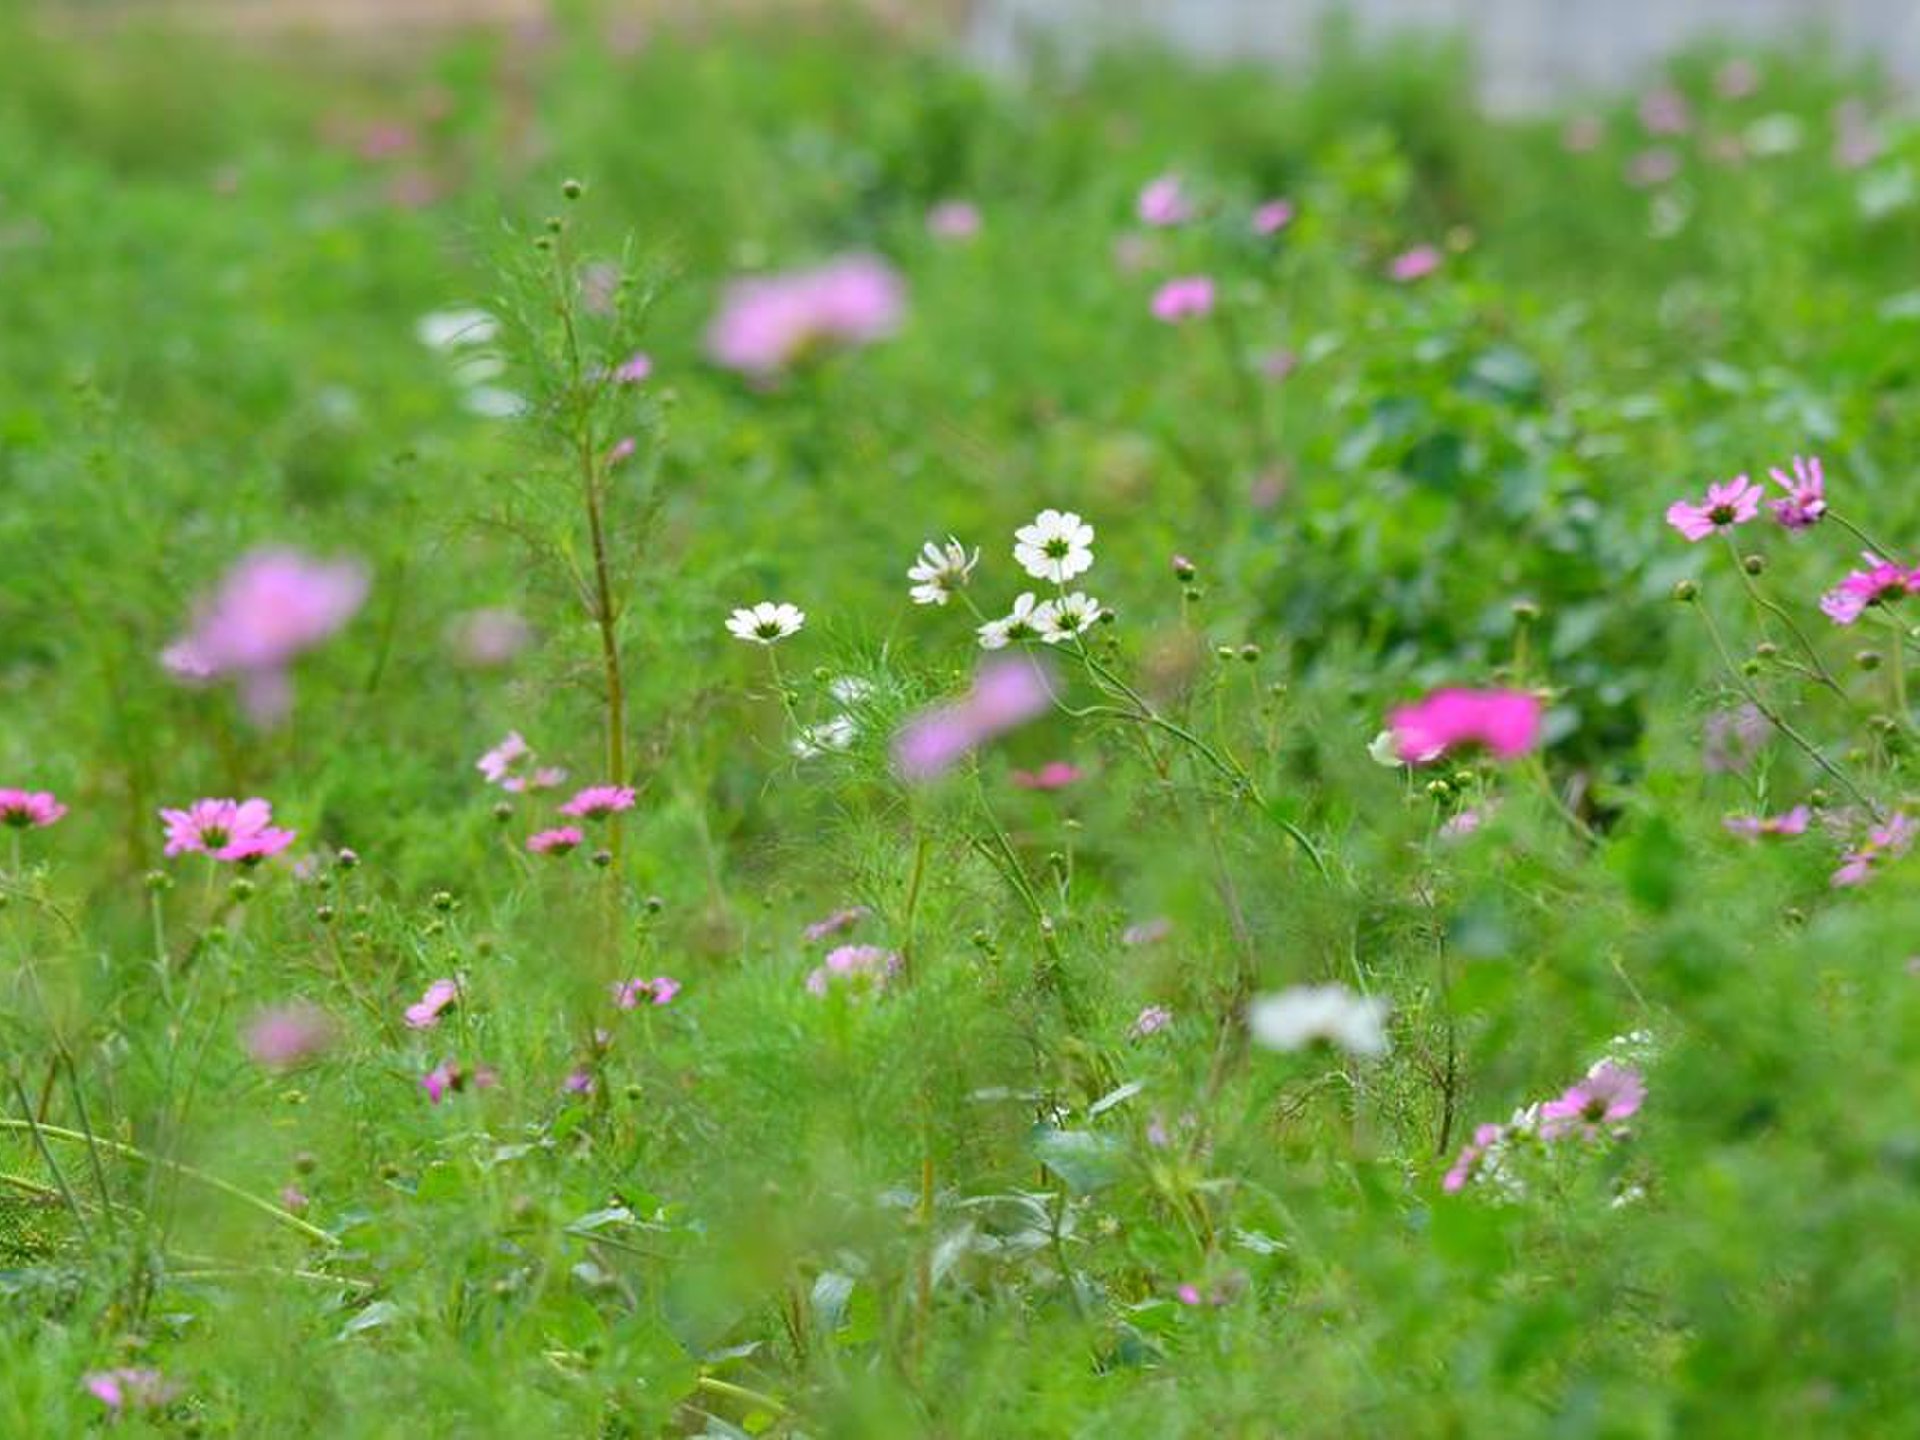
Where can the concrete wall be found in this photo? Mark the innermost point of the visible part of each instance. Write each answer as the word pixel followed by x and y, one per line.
pixel 1532 52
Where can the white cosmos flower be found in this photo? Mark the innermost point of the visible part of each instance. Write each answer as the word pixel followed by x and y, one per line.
pixel 1293 1019
pixel 1068 616
pixel 444 329
pixel 850 689
pixel 1057 546
pixel 1027 621
pixel 1385 750
pixel 834 734
pixel 766 622
pixel 941 570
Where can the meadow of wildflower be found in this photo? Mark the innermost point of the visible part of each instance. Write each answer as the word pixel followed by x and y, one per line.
pixel 735 733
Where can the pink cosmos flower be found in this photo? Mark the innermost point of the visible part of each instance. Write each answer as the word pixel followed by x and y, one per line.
pixel 954 220
pixel 1505 722
pixel 596 802
pixel 1737 79
pixel 425 1013
pixel 1753 827
pixel 1881 583
pixel 1188 1294
pixel 1414 264
pixel 1149 1020
pixel 293 1198
pixel 1006 693
pixel 272 607
pixel 1272 217
pixel 450 1077
pixel 836 923
pixel 560 841
pixel 1164 202
pixel 288 1036
pixel 1732 738
pixel 628 994
pixel 1462 1170
pixel 1462 824
pixel 127 1388
pixel 488 639
pixel 1187 297
pixel 634 369
pixel 1886 841
pixel 1806 498
pixel 1610 1094
pixel 623 449
pixel 768 324
pixel 542 777
pixel 579 1081
pixel 499 762
pixel 1729 503
pixel 1664 111
pixel 29 809
pixel 1054 775
pixel 238 831
pixel 1655 166
pixel 857 969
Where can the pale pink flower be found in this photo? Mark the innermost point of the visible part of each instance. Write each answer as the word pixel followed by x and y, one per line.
pixel 294 1199
pixel 1463 1168
pixel 1186 297
pixel 622 449
pixel 29 809
pixel 450 1077
pixel 1462 824
pixel 1583 133
pixel 1610 1094
pixel 1054 775
pixel 1881 583
pixel 1276 365
pixel 1886 841
pixel 1414 264
pixel 1856 142
pixel 1153 1018
pixel 128 1388
pixel 597 802
pixel 1654 166
pixel 1806 498
pixel 1146 932
pixel 630 994
pixel 541 777
pixel 954 220
pixel 1728 503
pixel 499 762
pixel 272 607
pixel 1664 111
pixel 1188 1294
pixel 559 841
pixel 1754 827
pixel 230 830
pixel 856 969
pixel 1505 722
pixel 488 639
pixel 288 1036
pixel 1737 79
pixel 1164 202
pixel 425 1013
pixel 767 324
pixel 634 369
pixel 836 923
pixel 1006 693
pixel 1732 738
pixel 1272 217
pixel 579 1081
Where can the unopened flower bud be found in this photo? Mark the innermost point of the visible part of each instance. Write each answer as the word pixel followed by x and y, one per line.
pixel 1525 612
pixel 1192 594
pixel 1183 569
pixel 601 859
pixel 324 914
pixel 572 188
pixel 241 891
pixel 1750 668
pixel 1225 652
pixel 347 859
pixel 1439 789
pixel 158 881
pixel 442 900
pixel 1766 650
pixel 655 904
pixel 1250 653
pixel 305 1163
pixel 503 812
pixel 1686 592
pixel 1867 659
pixel 1754 564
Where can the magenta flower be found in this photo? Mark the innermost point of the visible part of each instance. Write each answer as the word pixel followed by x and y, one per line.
pixel 1806 499
pixel 768 324
pixel 1414 264
pixel 1610 1094
pixel 856 969
pixel 1054 775
pixel 1463 1168
pixel 236 831
pixel 450 1077
pixel 127 1388
pixel 1187 297
pixel 1886 841
pixel 288 1036
pixel 1881 583
pixel 425 1013
pixel 628 994
pixel 1730 503
pixel 1149 1020
pixel 954 220
pixel 560 841
pixel 1504 722
pixel 1164 202
pixel 596 802
pixel 29 809
pixel 1006 693
pixel 1753 827
pixel 837 923
pixel 579 1081
pixel 634 369
pixel 272 607
pixel 1272 217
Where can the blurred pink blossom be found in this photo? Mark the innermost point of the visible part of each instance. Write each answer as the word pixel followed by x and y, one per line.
pixel 1006 693
pixel 767 324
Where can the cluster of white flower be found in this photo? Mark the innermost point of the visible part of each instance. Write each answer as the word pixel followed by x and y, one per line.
pixel 1057 546
pixel 1329 1014
pixel 464 337
pixel 836 732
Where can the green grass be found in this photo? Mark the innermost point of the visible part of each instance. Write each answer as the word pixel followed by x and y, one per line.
pixel 964 1207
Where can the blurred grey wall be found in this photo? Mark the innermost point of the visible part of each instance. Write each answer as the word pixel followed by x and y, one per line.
pixel 1532 52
